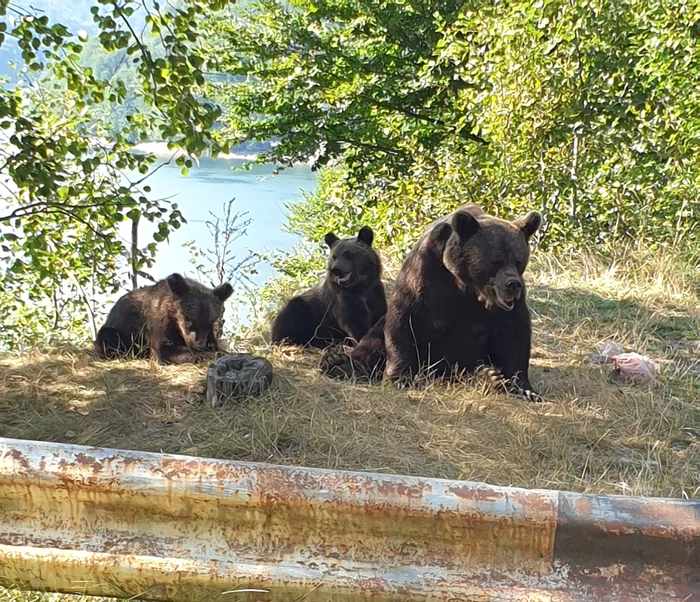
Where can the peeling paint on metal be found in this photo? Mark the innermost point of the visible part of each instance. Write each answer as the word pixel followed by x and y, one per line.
pixel 124 523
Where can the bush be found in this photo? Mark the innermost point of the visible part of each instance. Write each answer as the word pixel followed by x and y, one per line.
pixel 586 110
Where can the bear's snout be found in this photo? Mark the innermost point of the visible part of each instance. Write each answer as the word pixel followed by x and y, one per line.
pixel 504 289
pixel 341 275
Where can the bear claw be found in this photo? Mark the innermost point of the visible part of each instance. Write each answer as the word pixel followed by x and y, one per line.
pixel 532 396
pixel 496 377
pixel 335 363
pixel 499 381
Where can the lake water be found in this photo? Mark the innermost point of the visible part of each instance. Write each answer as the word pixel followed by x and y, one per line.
pixel 204 191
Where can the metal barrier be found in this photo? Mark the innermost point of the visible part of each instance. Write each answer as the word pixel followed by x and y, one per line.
pixel 123 523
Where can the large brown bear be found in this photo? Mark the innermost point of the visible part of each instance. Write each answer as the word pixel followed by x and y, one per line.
pixel 347 304
pixel 174 321
pixel 459 301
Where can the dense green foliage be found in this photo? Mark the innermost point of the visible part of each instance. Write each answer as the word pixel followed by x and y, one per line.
pixel 588 110
pixel 70 180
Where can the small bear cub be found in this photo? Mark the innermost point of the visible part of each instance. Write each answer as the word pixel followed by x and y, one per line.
pixel 346 304
pixel 174 321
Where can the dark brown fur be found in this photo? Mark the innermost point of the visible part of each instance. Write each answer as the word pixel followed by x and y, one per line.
pixel 459 301
pixel 348 302
pixel 174 321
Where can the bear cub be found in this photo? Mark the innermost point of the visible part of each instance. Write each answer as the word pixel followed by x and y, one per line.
pixel 174 321
pixel 346 304
pixel 459 301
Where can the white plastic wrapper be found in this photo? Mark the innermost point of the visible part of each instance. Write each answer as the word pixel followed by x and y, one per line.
pixel 635 366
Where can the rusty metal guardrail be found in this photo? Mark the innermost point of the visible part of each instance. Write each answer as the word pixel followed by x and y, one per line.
pixel 124 523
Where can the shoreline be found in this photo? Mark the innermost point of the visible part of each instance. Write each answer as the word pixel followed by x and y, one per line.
pixel 160 150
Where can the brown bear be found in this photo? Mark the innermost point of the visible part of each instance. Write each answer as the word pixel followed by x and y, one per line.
pixel 346 304
pixel 174 321
pixel 459 301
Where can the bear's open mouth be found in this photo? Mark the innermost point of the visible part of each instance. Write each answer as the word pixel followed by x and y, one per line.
pixel 490 296
pixel 345 279
pixel 506 303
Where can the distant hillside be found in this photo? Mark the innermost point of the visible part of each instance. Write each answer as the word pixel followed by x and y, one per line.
pixel 74 14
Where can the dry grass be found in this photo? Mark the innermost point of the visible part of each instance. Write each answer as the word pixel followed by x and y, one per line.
pixel 593 434
pixel 18 595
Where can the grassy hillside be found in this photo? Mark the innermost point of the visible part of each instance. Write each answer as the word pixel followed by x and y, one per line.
pixel 594 433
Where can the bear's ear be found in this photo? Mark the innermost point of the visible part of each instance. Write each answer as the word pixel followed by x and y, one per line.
pixel 439 235
pixel 530 223
pixel 177 284
pixel 366 235
pixel 464 224
pixel 223 291
pixel 331 239
pixel 442 232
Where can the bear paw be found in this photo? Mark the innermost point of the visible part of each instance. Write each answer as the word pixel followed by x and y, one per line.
pixel 336 363
pixel 497 379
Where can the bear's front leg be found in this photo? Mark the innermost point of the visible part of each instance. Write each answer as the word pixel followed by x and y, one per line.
pixel 403 357
pixel 510 341
pixel 156 341
pixel 353 316
pixel 363 363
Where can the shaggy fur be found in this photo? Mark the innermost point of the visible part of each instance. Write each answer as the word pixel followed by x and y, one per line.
pixel 176 320
pixel 348 302
pixel 459 301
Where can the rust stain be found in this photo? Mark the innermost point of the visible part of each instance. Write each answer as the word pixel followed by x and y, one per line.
pixel 18 457
pixel 165 527
pixel 469 493
pixel 646 543
pixel 86 461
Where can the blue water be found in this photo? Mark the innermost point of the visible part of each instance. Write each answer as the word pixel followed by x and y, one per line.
pixel 205 190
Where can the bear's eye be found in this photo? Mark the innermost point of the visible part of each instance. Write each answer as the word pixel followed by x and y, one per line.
pixel 348 254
